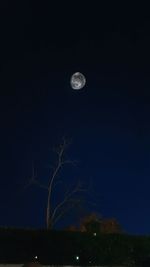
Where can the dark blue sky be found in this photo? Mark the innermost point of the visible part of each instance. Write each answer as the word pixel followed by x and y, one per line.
pixel 108 120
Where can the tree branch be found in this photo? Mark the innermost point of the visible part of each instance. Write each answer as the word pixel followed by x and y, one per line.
pixel 33 180
pixel 67 199
pixel 65 210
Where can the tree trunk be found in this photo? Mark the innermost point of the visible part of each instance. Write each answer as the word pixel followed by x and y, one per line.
pixel 48 212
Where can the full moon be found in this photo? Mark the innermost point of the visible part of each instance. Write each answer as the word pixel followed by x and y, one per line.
pixel 77 81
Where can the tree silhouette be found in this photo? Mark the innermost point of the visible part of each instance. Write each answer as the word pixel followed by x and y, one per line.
pixel 70 198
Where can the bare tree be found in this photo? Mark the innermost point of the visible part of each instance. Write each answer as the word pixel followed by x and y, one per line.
pixel 70 198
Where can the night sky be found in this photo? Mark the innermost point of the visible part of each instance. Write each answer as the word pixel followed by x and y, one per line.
pixel 41 46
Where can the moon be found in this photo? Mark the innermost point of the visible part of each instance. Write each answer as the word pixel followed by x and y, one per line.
pixel 77 81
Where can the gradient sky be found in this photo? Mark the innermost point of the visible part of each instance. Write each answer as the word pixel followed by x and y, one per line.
pixel 108 121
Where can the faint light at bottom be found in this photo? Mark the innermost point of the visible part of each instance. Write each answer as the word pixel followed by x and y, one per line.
pixel 77 258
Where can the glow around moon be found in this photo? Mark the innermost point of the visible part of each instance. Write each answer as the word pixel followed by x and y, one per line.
pixel 77 81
